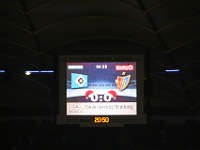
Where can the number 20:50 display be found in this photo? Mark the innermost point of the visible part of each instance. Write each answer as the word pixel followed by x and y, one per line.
pixel 101 119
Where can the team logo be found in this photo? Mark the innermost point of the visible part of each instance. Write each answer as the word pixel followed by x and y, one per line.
pixel 79 80
pixel 122 81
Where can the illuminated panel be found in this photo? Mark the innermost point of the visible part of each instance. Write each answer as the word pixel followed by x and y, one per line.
pixel 101 90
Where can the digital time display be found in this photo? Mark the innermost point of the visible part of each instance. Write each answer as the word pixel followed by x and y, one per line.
pixel 101 119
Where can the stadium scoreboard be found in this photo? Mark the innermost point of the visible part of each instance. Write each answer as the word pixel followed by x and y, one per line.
pixel 102 90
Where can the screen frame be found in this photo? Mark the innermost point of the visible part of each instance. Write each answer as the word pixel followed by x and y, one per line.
pixel 140 118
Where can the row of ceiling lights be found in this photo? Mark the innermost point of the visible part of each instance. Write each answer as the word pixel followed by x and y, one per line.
pixel 29 72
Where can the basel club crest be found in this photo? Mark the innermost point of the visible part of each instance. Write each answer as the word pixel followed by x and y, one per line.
pixel 122 81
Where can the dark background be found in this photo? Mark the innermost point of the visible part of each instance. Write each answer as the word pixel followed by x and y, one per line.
pixel 33 33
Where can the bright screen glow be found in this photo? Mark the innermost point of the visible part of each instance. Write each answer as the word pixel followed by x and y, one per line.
pixel 105 90
pixel 101 88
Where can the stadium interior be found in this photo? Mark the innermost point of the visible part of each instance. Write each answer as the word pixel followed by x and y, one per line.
pixel 33 33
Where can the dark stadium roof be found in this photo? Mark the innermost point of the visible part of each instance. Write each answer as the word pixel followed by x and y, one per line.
pixel 33 32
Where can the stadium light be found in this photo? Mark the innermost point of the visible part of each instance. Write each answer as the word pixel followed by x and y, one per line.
pixel 173 70
pixel 46 71
pixel 2 71
pixel 29 72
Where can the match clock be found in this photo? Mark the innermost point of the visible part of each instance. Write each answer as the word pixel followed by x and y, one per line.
pixel 101 119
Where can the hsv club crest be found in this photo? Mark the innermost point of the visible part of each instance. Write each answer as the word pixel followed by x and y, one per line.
pixel 122 81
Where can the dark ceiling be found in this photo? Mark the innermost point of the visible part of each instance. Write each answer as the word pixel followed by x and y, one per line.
pixel 34 32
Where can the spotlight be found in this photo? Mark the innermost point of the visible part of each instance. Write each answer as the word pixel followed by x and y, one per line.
pixel 27 73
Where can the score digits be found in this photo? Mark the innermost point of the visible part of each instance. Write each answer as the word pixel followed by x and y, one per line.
pixel 107 97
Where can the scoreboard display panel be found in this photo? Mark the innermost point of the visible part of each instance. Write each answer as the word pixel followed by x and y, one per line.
pixel 105 90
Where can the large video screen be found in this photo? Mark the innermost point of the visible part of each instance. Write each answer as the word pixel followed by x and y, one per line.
pixel 101 89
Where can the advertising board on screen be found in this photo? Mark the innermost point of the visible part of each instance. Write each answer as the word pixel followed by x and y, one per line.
pixel 105 88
